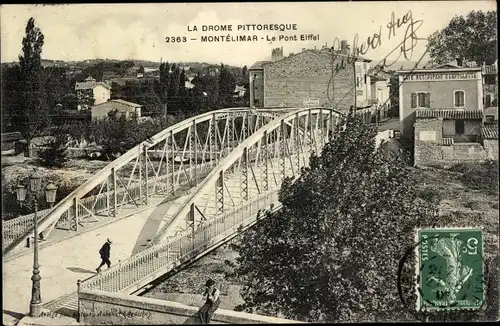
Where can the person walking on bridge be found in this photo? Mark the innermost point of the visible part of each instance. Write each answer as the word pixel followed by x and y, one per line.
pixel 212 303
pixel 105 254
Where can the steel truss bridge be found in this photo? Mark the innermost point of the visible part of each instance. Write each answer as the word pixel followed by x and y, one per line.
pixel 232 160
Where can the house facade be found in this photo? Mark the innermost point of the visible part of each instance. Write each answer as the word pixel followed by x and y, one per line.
pixel 380 87
pixel 453 136
pixel 311 78
pixel 90 93
pixel 490 91
pixel 445 87
pixel 128 109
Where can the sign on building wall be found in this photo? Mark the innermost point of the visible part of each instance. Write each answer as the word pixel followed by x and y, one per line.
pixel 311 101
pixel 426 135
pixel 442 76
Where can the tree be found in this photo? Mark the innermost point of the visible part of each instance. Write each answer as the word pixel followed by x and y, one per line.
pixel 333 255
pixel 244 72
pixel 394 95
pixel 31 116
pixel 69 101
pixel 56 85
pixel 472 38
pixel 55 153
pixel 227 84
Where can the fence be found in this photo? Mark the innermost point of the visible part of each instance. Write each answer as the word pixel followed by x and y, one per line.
pixel 143 267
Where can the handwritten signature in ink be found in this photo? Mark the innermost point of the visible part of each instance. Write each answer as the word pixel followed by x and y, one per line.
pixel 404 48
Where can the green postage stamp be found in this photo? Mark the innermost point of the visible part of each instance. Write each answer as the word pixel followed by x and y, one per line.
pixel 451 269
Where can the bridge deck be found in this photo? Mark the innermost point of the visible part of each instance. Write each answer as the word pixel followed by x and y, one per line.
pixel 64 261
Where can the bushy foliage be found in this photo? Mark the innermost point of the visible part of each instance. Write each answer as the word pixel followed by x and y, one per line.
pixel 482 176
pixel 55 152
pixel 472 37
pixel 332 252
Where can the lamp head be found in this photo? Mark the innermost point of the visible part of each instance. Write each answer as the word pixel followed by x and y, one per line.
pixel 50 193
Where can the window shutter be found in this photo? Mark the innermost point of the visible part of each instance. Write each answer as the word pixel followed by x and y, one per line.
pixel 462 98
pixel 413 100
pixel 427 100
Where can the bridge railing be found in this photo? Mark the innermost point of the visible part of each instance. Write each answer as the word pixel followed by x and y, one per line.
pixel 214 130
pixel 161 257
pixel 96 204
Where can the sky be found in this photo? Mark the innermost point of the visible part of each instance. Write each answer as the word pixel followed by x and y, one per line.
pixel 139 31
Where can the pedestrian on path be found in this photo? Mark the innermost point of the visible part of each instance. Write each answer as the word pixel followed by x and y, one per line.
pixel 104 252
pixel 212 302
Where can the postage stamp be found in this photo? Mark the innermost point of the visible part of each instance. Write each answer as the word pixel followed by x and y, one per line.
pixel 450 267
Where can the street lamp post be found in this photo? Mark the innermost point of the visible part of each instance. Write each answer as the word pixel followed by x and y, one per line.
pixel 50 193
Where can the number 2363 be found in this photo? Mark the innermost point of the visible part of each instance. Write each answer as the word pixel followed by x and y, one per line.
pixel 175 39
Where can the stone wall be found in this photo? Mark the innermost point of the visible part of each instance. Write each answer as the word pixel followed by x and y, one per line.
pixel 308 75
pixel 107 308
pixel 491 147
pixel 429 150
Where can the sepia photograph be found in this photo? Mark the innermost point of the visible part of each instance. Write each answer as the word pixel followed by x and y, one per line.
pixel 249 163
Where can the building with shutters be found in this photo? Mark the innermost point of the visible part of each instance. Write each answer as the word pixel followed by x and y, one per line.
pixel 447 87
pixel 312 78
pixel 91 92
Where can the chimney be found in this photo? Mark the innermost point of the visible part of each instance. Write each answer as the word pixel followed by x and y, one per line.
pixel 343 47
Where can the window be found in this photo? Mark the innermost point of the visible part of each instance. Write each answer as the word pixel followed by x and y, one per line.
pixel 459 99
pixel 357 82
pixel 459 127
pixel 421 99
pixel 489 118
pixel 488 101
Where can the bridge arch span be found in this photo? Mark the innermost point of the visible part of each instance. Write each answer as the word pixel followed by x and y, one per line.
pixel 255 169
pixel 176 157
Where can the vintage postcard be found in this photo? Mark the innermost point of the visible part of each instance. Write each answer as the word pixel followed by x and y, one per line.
pixel 302 162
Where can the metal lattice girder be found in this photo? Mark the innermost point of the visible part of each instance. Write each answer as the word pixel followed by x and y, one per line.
pixel 198 146
pixel 174 157
pixel 258 164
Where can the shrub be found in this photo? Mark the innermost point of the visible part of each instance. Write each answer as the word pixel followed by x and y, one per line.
pixel 55 153
pixel 334 255
pixel 430 194
pixel 479 176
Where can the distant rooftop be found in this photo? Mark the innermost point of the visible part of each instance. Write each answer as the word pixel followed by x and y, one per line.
pixel 120 102
pixel 489 131
pixel 89 83
pixel 258 65
pixel 490 70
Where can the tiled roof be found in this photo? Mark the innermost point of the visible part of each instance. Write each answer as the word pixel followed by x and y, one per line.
pixel 259 64
pixel 490 70
pixel 126 103
pixel 447 141
pixel 118 104
pixel 449 114
pixel 11 136
pixel 90 84
pixel 489 131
